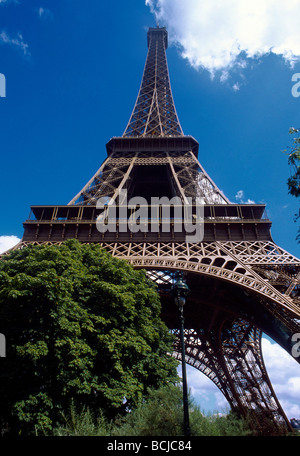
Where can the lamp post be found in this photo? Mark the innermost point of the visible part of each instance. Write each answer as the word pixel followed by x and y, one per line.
pixel 180 292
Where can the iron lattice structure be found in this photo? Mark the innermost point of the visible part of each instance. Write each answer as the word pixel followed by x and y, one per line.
pixel 154 113
pixel 242 284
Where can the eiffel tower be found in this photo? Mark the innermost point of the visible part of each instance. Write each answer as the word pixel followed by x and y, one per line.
pixel 242 284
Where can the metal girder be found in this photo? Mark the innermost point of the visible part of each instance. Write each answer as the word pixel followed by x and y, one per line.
pixel 154 113
pixel 188 176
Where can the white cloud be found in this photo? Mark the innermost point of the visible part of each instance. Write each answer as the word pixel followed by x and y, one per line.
pixel 17 42
pixel 205 393
pixel 220 36
pixel 240 197
pixel 284 373
pixel 8 242
pixel 44 13
pixel 236 86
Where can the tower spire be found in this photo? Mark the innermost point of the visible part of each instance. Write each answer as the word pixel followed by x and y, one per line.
pixel 154 113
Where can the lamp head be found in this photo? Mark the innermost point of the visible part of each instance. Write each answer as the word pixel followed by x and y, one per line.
pixel 180 291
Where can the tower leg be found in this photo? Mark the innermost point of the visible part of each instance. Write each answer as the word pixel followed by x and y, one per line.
pixel 230 354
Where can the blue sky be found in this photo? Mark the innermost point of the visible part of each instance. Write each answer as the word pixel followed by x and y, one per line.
pixel 72 76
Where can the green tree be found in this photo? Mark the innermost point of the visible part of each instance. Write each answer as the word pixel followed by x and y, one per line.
pixel 79 325
pixel 293 181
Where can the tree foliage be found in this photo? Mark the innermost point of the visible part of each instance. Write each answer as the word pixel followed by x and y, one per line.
pixel 161 414
pixel 294 161
pixel 293 181
pixel 79 325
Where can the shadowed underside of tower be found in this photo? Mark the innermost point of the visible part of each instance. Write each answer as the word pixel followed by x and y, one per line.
pixel 242 284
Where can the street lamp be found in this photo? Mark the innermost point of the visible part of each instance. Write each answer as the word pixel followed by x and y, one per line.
pixel 180 291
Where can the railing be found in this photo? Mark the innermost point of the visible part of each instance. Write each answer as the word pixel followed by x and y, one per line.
pixel 226 213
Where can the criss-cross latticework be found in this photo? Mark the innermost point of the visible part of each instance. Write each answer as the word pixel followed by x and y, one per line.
pixel 242 284
pixel 154 113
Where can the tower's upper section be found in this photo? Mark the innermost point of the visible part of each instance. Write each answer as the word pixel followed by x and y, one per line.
pixel 158 33
pixel 154 113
